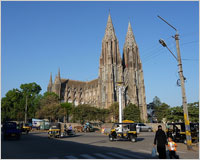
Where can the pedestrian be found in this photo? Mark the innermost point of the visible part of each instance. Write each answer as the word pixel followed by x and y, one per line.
pixel 161 141
pixel 172 148
pixel 70 127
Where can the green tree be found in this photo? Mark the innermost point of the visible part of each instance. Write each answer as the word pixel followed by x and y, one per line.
pixel 102 114
pixel 175 114
pixel 132 112
pixel 49 107
pixel 156 101
pixel 31 92
pixel 193 111
pixel 66 110
pixel 13 104
pixel 114 111
pixel 161 111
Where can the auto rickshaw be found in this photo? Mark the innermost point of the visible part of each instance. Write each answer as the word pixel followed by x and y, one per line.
pixel 123 131
pixel 25 128
pixel 177 131
pixel 55 130
pixel 58 130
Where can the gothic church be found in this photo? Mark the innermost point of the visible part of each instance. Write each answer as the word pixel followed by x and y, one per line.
pixel 102 92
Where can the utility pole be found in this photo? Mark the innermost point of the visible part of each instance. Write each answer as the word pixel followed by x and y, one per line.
pixel 184 100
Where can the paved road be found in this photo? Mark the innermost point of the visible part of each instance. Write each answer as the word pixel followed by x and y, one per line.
pixel 83 146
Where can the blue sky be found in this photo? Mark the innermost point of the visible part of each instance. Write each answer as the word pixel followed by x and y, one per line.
pixel 40 37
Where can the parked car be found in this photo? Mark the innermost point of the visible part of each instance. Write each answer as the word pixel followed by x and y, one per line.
pixel 11 130
pixel 144 128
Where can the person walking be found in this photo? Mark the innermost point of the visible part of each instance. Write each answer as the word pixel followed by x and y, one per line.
pixel 172 149
pixel 161 141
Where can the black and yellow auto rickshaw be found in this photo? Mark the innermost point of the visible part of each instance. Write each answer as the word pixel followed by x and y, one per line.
pixel 177 131
pixel 25 128
pixel 54 130
pixel 123 131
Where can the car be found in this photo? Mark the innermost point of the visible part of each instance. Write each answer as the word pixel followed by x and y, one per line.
pixel 11 130
pixel 144 128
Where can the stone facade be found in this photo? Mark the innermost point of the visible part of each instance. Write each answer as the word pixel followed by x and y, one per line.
pixel 102 92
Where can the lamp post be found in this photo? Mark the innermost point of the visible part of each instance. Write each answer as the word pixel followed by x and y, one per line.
pixel 184 100
pixel 120 87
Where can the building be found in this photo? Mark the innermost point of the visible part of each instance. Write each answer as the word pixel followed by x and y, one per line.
pixel 102 92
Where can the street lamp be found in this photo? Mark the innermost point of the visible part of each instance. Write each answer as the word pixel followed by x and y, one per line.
pixel 184 101
pixel 121 88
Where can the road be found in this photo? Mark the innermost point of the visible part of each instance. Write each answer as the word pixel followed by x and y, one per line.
pixel 36 145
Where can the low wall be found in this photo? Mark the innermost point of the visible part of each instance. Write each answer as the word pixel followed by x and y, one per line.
pixel 108 126
pixel 155 126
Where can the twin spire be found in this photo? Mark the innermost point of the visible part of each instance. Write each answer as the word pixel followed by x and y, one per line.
pixel 110 32
pixel 130 39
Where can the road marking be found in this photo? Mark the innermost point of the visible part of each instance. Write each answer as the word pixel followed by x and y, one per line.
pixel 133 155
pixel 145 151
pixel 102 156
pixel 70 157
pixel 118 155
pixel 87 156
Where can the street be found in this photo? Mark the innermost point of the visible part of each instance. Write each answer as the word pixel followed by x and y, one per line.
pixel 37 145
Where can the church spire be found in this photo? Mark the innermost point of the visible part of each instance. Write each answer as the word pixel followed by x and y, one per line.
pixel 49 88
pixel 130 39
pixel 110 32
pixel 50 81
pixel 59 73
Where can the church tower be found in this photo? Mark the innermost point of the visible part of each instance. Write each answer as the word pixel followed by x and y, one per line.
pixel 110 67
pixel 50 85
pixel 57 85
pixel 133 75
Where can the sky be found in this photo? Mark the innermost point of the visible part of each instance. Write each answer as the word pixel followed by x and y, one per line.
pixel 38 38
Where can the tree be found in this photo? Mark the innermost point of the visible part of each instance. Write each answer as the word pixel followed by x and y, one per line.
pixel 132 112
pixel 49 107
pixel 66 110
pixel 11 108
pixel 114 111
pixel 193 111
pixel 102 114
pixel 161 111
pixel 176 114
pixel 13 104
pixel 30 93
pixel 156 101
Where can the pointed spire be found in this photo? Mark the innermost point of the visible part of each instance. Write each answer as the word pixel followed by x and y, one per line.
pixel 130 39
pixel 110 32
pixel 50 81
pixel 59 73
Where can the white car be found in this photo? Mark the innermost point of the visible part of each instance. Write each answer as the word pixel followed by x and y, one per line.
pixel 143 127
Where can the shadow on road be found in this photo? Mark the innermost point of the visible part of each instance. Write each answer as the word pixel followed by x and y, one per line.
pixel 34 146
